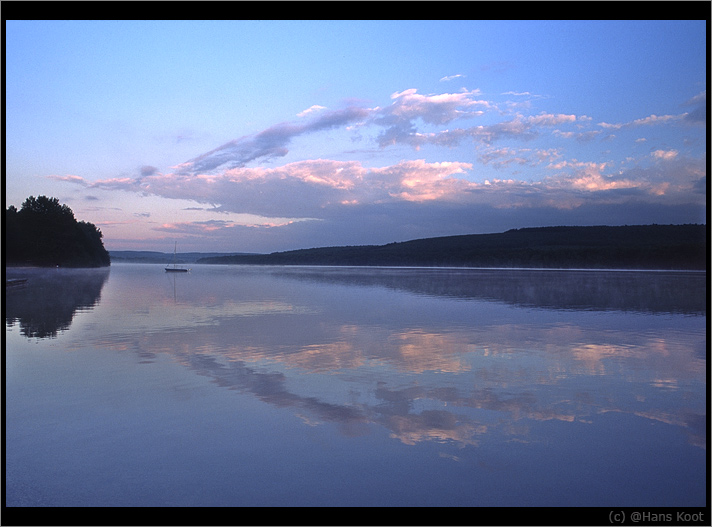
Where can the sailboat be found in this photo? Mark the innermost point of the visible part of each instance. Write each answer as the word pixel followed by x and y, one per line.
pixel 175 269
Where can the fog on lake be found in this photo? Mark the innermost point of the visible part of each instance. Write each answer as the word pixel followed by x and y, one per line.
pixel 345 386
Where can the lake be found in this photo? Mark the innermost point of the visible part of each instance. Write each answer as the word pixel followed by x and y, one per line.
pixel 337 386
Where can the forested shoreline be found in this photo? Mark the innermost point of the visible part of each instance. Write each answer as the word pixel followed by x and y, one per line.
pixel 598 247
pixel 45 233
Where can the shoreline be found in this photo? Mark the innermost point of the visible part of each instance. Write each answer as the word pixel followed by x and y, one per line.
pixel 421 267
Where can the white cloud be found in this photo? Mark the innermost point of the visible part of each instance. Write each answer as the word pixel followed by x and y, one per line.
pixel 311 109
pixel 547 119
pixel 665 155
pixel 452 77
pixel 434 109
pixel 645 121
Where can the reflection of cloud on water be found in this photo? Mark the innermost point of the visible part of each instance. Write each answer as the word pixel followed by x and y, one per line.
pixel 593 352
pixel 160 317
pixel 319 358
pixel 413 351
pixel 420 351
pixel 414 372
pixel 498 396
pixel 665 355
pixel 504 412
pixel 433 425
pixel 271 388
pixel 279 340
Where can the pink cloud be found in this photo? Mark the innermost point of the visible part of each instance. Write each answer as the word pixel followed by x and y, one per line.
pixel 434 109
pixel 237 178
pixel 310 188
pixel 70 179
pixel 195 227
pixel 665 155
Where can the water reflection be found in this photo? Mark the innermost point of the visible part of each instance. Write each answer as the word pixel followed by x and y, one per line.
pixel 46 304
pixel 678 292
pixel 496 393
pixel 395 351
pixel 497 398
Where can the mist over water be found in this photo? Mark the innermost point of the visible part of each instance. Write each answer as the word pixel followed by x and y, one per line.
pixel 285 386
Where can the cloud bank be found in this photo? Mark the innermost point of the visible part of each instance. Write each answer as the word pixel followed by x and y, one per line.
pixel 516 172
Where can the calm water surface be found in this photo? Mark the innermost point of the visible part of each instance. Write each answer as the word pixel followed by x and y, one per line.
pixel 269 386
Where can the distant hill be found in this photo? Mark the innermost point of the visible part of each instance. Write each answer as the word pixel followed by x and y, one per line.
pixel 598 247
pixel 162 258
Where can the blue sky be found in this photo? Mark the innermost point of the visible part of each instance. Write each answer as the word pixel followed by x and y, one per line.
pixel 259 136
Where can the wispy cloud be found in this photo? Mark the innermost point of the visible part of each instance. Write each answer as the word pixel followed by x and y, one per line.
pixel 698 114
pixel 269 143
pixel 645 121
pixel 398 119
pixel 79 180
pixel 449 78
pixel 197 227
pixel 311 109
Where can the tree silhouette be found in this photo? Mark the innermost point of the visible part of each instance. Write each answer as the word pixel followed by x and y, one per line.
pixel 46 233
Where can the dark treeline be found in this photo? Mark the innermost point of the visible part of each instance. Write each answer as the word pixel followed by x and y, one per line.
pixel 598 247
pixel 45 233
pixel 149 257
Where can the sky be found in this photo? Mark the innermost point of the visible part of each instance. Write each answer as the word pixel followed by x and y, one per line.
pixel 263 136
